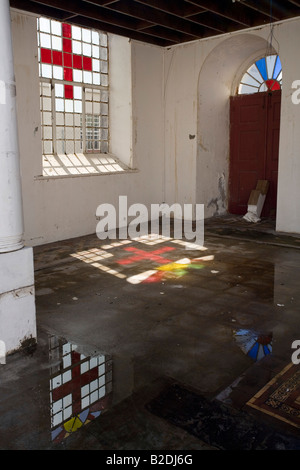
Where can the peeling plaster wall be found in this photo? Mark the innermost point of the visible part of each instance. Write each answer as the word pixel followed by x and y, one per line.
pixel 62 208
pixel 199 78
pixel 214 90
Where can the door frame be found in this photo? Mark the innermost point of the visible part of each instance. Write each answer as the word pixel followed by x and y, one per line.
pixel 235 204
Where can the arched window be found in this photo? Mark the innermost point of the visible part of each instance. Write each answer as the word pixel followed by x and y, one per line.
pixel 264 75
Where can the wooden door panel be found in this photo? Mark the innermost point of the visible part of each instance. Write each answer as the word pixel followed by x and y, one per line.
pixel 250 112
pixel 247 137
pixel 249 143
pixel 254 147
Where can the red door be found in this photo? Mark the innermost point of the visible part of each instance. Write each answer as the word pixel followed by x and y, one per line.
pixel 254 148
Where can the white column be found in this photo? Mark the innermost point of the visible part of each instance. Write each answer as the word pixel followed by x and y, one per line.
pixel 11 212
pixel 17 296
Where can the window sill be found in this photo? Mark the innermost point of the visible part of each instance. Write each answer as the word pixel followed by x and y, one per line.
pixel 81 165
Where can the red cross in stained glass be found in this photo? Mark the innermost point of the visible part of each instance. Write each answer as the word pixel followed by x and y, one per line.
pixel 74 385
pixel 66 59
pixel 141 255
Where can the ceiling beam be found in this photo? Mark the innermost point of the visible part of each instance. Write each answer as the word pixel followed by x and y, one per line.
pixel 146 37
pixel 27 6
pixel 164 22
pixel 105 2
pixel 178 8
pixel 190 11
pixel 221 24
pixel 236 12
pixel 160 18
pixel 193 13
pixel 40 9
pixel 295 2
pixel 168 34
pixel 99 13
pixel 266 8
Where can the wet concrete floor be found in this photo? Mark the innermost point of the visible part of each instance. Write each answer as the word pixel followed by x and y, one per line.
pixel 119 323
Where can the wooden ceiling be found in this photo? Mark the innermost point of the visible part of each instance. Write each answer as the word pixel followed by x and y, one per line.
pixel 164 22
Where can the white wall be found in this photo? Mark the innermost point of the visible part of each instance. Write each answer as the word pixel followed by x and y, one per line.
pixel 61 208
pixel 120 101
pixel 199 79
pixel 171 124
pixel 288 205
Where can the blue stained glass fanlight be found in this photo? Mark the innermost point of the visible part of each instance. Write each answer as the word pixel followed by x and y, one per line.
pixel 277 68
pixel 262 67
pixel 264 75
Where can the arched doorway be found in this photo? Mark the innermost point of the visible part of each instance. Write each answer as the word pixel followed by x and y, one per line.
pixel 218 80
pixel 254 134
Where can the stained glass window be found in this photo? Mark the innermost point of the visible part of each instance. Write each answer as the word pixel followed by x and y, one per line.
pixel 264 75
pixel 73 69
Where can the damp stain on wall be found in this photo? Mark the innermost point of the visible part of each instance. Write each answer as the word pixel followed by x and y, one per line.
pixel 219 202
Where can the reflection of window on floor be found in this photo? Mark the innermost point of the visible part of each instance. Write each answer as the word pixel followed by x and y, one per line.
pixel 74 99
pixel 78 385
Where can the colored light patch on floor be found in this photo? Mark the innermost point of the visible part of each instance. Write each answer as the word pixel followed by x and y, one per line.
pixel 152 239
pixel 115 244
pixel 142 255
pixel 166 269
pixel 189 245
pixel 92 255
pixel 176 269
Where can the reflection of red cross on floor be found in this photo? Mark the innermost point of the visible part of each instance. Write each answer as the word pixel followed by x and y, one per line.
pixel 74 385
pixel 141 255
pixel 66 59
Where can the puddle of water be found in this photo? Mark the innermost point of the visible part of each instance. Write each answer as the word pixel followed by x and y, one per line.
pixel 253 344
pixel 80 387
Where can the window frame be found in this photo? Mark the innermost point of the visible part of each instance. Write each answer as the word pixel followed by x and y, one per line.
pixel 257 82
pixel 106 162
pixel 84 114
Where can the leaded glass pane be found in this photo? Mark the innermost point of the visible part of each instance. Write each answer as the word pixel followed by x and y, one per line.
pixel 277 69
pixel 45 25
pixel 262 67
pixel 264 75
pixel 78 56
pixel 270 60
